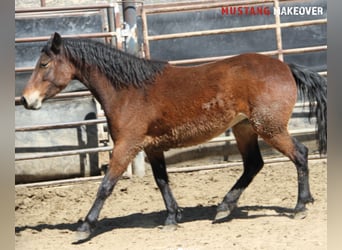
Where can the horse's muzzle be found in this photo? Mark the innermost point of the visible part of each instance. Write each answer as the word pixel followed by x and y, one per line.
pixel 30 104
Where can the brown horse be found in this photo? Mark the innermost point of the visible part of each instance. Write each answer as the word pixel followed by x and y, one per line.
pixel 154 106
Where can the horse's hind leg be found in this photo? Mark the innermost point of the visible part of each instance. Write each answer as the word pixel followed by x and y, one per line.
pixel 247 142
pixel 298 154
pixel 157 162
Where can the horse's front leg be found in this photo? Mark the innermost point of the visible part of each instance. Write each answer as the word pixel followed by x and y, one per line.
pixel 157 161
pixel 121 157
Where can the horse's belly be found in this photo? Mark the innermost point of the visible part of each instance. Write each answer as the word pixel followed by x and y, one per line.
pixel 193 133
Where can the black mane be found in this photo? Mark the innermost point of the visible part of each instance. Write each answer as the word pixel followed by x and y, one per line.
pixel 122 69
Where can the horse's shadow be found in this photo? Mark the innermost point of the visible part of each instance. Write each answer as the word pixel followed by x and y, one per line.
pixel 156 219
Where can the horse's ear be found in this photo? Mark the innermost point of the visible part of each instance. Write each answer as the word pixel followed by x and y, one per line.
pixel 56 43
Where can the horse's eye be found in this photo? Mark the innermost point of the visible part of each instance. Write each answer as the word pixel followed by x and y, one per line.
pixel 44 65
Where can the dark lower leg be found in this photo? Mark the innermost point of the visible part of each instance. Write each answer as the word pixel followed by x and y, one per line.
pixel 251 167
pixel 122 155
pixel 105 189
pixel 157 161
pixel 298 154
pixel 252 162
pixel 301 162
pixel 174 213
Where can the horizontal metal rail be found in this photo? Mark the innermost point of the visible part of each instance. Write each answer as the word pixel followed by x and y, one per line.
pixel 209 59
pixel 34 156
pixel 60 125
pixel 45 38
pixel 200 5
pixel 270 53
pixel 194 6
pixel 72 7
pixel 72 181
pixel 235 30
pixel 234 164
pixel 62 96
pixel 31 156
pixel 296 132
pixel 66 8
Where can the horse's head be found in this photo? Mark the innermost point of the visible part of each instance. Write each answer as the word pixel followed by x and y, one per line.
pixel 51 75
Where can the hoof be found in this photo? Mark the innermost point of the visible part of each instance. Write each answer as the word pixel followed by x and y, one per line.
pixel 299 215
pixel 170 227
pixel 173 218
pixel 83 233
pixel 81 237
pixel 300 211
pixel 221 215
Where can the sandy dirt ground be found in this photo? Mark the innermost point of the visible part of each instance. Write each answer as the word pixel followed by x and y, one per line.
pixel 132 218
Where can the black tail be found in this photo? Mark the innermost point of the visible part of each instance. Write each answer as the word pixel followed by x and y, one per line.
pixel 313 87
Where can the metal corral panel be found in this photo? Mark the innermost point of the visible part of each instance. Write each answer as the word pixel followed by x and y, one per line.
pixel 54 140
pixel 162 23
pixel 237 42
pixel 55 110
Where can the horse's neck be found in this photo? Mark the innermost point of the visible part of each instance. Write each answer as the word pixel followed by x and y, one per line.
pixel 98 84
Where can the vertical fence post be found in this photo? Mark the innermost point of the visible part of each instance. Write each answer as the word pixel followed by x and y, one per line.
pixel 130 19
pixel 145 34
pixel 132 47
pixel 278 32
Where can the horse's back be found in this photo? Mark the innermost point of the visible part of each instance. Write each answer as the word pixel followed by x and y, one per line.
pixel 246 78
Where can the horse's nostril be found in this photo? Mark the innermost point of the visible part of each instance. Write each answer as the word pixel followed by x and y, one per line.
pixel 23 101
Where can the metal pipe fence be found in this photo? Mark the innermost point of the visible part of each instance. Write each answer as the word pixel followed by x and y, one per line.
pixel 277 26
pixel 114 33
pixel 295 132
pixel 113 21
